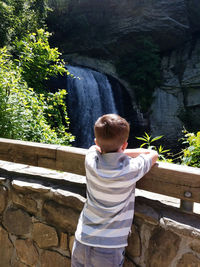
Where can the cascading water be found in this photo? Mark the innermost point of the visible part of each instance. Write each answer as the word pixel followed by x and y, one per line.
pixel 89 96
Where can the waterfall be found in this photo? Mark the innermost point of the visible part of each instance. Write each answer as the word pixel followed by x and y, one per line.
pixel 89 96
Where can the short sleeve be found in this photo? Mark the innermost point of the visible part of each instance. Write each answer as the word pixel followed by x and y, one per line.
pixel 140 166
pixel 91 156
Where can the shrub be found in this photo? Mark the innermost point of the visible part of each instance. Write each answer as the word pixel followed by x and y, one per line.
pixel 191 155
pixel 23 111
pixel 18 17
pixel 37 59
pixel 27 110
pixel 148 141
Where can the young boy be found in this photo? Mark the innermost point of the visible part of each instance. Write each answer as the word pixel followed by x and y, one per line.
pixel 111 173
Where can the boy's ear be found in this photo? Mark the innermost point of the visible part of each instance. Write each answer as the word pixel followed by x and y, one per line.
pixel 124 146
pixel 97 146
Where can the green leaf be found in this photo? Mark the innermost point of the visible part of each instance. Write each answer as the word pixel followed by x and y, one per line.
pixel 156 138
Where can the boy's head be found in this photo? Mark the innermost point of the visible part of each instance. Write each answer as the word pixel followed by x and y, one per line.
pixel 111 132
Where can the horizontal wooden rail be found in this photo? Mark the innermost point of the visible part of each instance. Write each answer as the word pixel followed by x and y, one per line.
pixel 62 158
pixel 164 178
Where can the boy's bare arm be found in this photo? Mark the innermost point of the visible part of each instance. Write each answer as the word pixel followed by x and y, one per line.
pixel 137 151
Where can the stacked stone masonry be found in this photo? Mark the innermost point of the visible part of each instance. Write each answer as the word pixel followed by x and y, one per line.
pixel 39 210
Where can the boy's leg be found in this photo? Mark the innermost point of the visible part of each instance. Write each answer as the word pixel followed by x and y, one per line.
pixel 78 255
pixel 105 257
pixel 86 256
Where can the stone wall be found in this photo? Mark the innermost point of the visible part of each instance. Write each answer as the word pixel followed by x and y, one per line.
pixel 39 210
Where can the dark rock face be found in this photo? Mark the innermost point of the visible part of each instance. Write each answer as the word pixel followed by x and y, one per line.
pixel 95 33
pixel 193 8
pixel 177 101
pixel 107 26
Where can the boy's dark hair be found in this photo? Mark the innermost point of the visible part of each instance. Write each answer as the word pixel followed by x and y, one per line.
pixel 111 132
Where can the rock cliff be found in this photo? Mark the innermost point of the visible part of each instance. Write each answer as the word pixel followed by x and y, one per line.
pixel 177 101
pixel 107 26
pixel 95 33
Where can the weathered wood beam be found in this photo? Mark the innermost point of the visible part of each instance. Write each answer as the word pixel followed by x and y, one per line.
pixel 173 180
pixel 164 178
pixel 62 158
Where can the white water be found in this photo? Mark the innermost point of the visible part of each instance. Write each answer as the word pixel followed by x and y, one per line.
pixel 89 96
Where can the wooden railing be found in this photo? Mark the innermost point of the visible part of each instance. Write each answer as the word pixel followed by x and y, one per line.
pixel 164 178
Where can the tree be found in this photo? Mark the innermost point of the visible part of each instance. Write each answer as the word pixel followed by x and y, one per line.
pixel 34 55
pixel 27 110
pixel 19 17
pixel 23 112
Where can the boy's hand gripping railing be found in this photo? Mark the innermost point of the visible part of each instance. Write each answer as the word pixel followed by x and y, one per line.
pixel 164 178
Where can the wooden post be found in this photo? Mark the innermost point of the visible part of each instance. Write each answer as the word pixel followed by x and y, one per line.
pixel 187 205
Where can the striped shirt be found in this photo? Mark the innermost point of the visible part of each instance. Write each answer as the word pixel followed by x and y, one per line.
pixel 106 218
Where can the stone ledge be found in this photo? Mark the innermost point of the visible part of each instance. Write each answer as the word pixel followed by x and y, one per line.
pixel 40 179
pixel 170 218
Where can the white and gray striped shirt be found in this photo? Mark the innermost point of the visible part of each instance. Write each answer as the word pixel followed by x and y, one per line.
pixel 108 212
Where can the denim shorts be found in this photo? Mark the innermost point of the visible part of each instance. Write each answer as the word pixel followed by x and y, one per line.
pixel 88 256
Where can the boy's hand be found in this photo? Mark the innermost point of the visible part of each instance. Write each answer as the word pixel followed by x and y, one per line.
pixel 137 151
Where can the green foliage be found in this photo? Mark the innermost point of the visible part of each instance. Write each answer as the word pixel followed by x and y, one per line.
pixel 147 143
pixel 191 155
pixel 148 140
pixel 141 68
pixel 4 22
pixel 27 110
pixel 23 112
pixel 188 156
pixel 56 114
pixel 18 17
pixel 34 55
